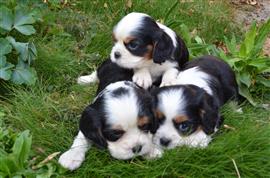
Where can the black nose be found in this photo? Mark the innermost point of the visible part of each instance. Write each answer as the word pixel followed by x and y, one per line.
pixel 165 141
pixel 117 55
pixel 137 149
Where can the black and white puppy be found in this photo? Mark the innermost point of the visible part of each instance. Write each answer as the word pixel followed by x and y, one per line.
pixel 150 49
pixel 120 119
pixel 188 112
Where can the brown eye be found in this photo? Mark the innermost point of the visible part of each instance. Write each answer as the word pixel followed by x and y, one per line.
pixel 113 135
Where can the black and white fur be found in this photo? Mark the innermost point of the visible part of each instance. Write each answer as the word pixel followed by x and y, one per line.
pixel 120 119
pixel 150 49
pixel 188 112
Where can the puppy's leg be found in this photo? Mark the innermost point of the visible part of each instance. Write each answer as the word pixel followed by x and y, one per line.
pixel 142 77
pixel 73 158
pixel 169 77
pixel 87 79
pixel 156 152
pixel 198 140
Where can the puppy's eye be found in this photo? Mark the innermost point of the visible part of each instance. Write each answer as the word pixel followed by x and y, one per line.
pixel 113 135
pixel 145 127
pixel 134 44
pixel 185 127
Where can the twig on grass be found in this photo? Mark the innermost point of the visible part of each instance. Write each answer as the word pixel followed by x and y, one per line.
pixel 236 169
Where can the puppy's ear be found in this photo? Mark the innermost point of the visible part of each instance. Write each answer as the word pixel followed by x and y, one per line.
pixel 91 126
pixel 163 47
pixel 181 53
pixel 208 112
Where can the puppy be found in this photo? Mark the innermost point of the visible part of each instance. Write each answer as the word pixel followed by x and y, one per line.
pixel 119 119
pixel 148 48
pixel 188 112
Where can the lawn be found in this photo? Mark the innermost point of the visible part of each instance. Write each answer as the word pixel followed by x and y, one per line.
pixel 72 39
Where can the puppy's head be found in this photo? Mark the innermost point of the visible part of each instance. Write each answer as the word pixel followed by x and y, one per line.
pixel 187 115
pixel 139 40
pixel 120 119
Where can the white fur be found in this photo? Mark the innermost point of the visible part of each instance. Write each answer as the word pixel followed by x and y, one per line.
pixel 169 77
pixel 130 23
pixel 194 76
pixel 172 103
pixel 87 79
pixel 142 77
pixel 123 111
pixel 73 158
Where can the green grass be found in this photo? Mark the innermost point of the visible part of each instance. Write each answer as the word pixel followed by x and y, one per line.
pixel 74 40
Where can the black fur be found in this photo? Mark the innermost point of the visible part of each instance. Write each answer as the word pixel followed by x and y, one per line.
pixel 94 125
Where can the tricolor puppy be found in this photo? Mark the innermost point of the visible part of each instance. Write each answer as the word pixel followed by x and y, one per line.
pixel 119 119
pixel 188 113
pixel 150 49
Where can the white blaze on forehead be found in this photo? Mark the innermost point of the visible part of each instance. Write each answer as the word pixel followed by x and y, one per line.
pixel 171 102
pixel 194 76
pixel 128 24
pixel 123 109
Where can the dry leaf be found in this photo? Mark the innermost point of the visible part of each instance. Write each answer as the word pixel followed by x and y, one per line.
pixel 129 3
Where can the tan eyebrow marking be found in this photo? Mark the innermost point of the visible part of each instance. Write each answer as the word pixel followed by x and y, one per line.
pixel 128 39
pixel 179 119
pixel 143 120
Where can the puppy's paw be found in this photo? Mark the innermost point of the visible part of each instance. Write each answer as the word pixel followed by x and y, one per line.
pixel 142 78
pixel 87 79
pixel 169 78
pixel 72 159
pixel 155 153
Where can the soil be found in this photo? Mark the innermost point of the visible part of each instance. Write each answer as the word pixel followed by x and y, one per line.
pixel 247 11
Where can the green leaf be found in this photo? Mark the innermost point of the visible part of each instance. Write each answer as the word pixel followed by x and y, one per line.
pixel 6 18
pixel 24 74
pixel 21 147
pixel 243 91
pixel 198 40
pixel 262 80
pixel 263 32
pixel 26 29
pixel 185 34
pixel 5 68
pixel 8 165
pixel 244 77
pixel 27 51
pixel 5 46
pixel 231 45
pixel 261 64
pixel 248 43
pixel 23 21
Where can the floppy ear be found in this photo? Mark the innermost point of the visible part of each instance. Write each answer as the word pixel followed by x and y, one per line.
pixel 163 47
pixel 91 126
pixel 209 112
pixel 181 53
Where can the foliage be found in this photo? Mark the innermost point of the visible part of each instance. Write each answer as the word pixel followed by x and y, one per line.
pixel 251 67
pixel 14 23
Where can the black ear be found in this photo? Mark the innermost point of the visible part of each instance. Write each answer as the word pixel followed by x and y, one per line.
pixel 209 113
pixel 163 47
pixel 91 126
pixel 181 52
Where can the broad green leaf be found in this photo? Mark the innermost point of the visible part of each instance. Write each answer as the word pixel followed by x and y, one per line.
pixel 25 29
pixel 5 46
pixel 27 51
pixel 243 91
pixel 260 63
pixel 24 74
pixel 23 21
pixel 231 45
pixel 185 34
pixel 198 40
pixel 6 18
pixel 248 43
pixel 244 77
pixel 263 32
pixel 8 165
pixel 5 68
pixel 21 147
pixel 262 80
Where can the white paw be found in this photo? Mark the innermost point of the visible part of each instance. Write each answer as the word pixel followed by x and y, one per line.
pixel 155 153
pixel 72 159
pixel 142 78
pixel 87 79
pixel 169 78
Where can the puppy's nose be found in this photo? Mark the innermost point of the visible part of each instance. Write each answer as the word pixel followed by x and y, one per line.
pixel 117 55
pixel 165 141
pixel 137 149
